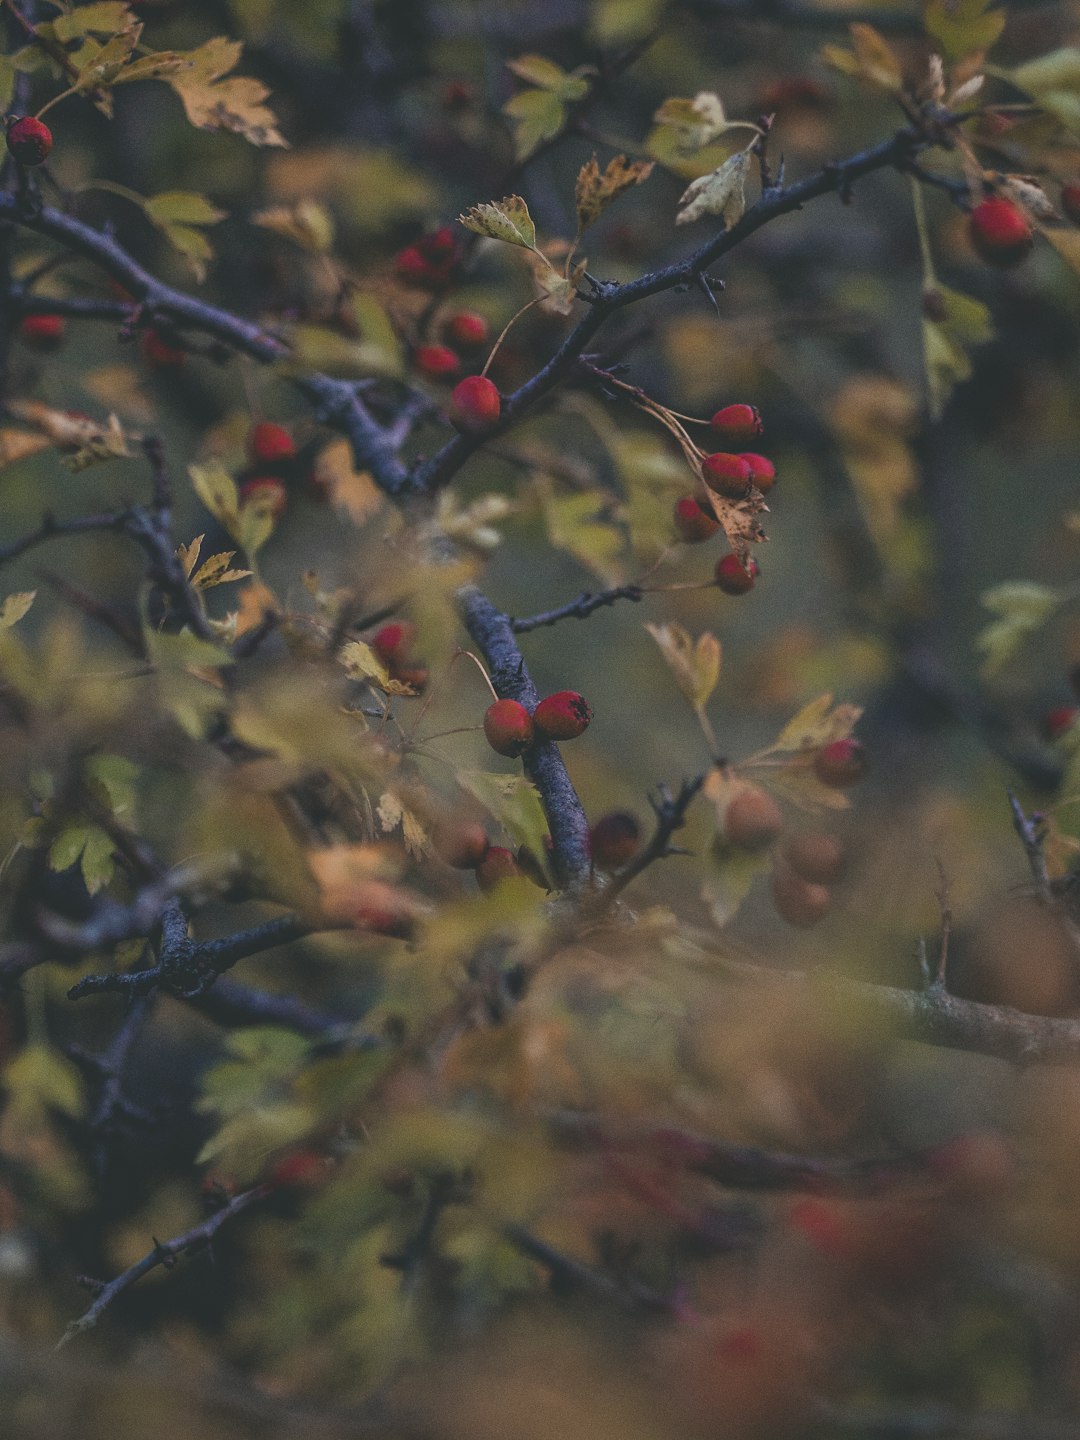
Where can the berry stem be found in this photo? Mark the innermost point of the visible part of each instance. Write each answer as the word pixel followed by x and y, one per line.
pixel 71 90
pixel 506 330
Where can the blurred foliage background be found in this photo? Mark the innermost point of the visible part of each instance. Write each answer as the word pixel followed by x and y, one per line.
pixel 945 1294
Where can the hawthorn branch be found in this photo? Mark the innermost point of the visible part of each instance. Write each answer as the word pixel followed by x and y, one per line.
pixel 187 968
pixel 895 153
pixel 493 632
pixel 1030 832
pixel 579 609
pixel 670 811
pixel 165 1253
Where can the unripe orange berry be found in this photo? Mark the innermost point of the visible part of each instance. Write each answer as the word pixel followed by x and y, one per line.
pixel 42 332
pixel 762 471
pixel 753 820
pixel 475 404
pixel 840 764
pixel 797 901
pixel 730 474
pixel 614 840
pixel 508 727
pixel 467 328
pixel 461 844
pixel 1000 232
pixel 269 443
pixel 437 361
pixel 265 490
pixel 733 577
pixel 562 716
pixel 815 856
pixel 498 864
pixel 692 522
pixel 29 141
pixel 737 423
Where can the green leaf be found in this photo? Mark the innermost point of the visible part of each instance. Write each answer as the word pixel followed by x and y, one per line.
pixel 68 846
pixel 38 1080
pixel 959 321
pixel 577 524
pixel 97 862
pixel 962 27
pixel 537 115
pixel 507 220
pixel 514 802
pixel 216 489
pixel 184 206
pixel 1053 81
pixel 730 874
pixel 1022 607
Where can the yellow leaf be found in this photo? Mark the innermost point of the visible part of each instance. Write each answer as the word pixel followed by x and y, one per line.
pixel 236 103
pixel 216 489
pixel 18 444
pixel 188 555
pixel 353 491
pixel 877 62
pixel 596 190
pixel 696 122
pixel 305 222
pixel 818 723
pixel 14 607
pixel 695 664
pixel 963 26
pixel 538 70
pixel 507 220
pixel 215 571
pixel 361 663
pixel 722 192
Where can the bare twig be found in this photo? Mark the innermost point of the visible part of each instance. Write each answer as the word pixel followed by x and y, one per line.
pixel 1030 831
pixel 670 811
pixel 579 609
pixel 166 1253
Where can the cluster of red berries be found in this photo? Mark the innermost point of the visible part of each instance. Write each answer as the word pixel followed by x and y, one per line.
pixel 732 474
pixel 511 730
pixel 393 643
pixel 465 846
pixel 808 862
pixel 431 260
pixel 272 453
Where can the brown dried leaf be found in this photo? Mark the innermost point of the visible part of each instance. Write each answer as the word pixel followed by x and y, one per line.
pixel 596 190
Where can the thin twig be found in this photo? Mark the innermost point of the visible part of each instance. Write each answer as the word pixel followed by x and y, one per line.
pixel 166 1253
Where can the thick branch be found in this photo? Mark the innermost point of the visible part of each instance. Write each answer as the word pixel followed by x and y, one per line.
pixel 493 633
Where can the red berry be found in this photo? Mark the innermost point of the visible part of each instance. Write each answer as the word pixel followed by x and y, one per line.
pixel 508 727
pixel 753 820
pixel 457 95
pixel 692 522
pixel 840 764
pixel 392 642
pixel 475 404
pixel 42 332
pixel 823 1224
pixel 762 471
pixel 159 353
pixel 436 361
pixel 562 716
pixel 29 141
pixel 462 845
pixel 737 422
pixel 730 474
pixel 498 864
pixel 1000 232
pixel 797 901
pixel 815 856
pixel 467 328
pixel 733 577
pixel 264 490
pixel 440 244
pixel 614 840
pixel 1070 202
pixel 268 443
pixel 299 1170
pixel 1059 721
pixel 410 265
